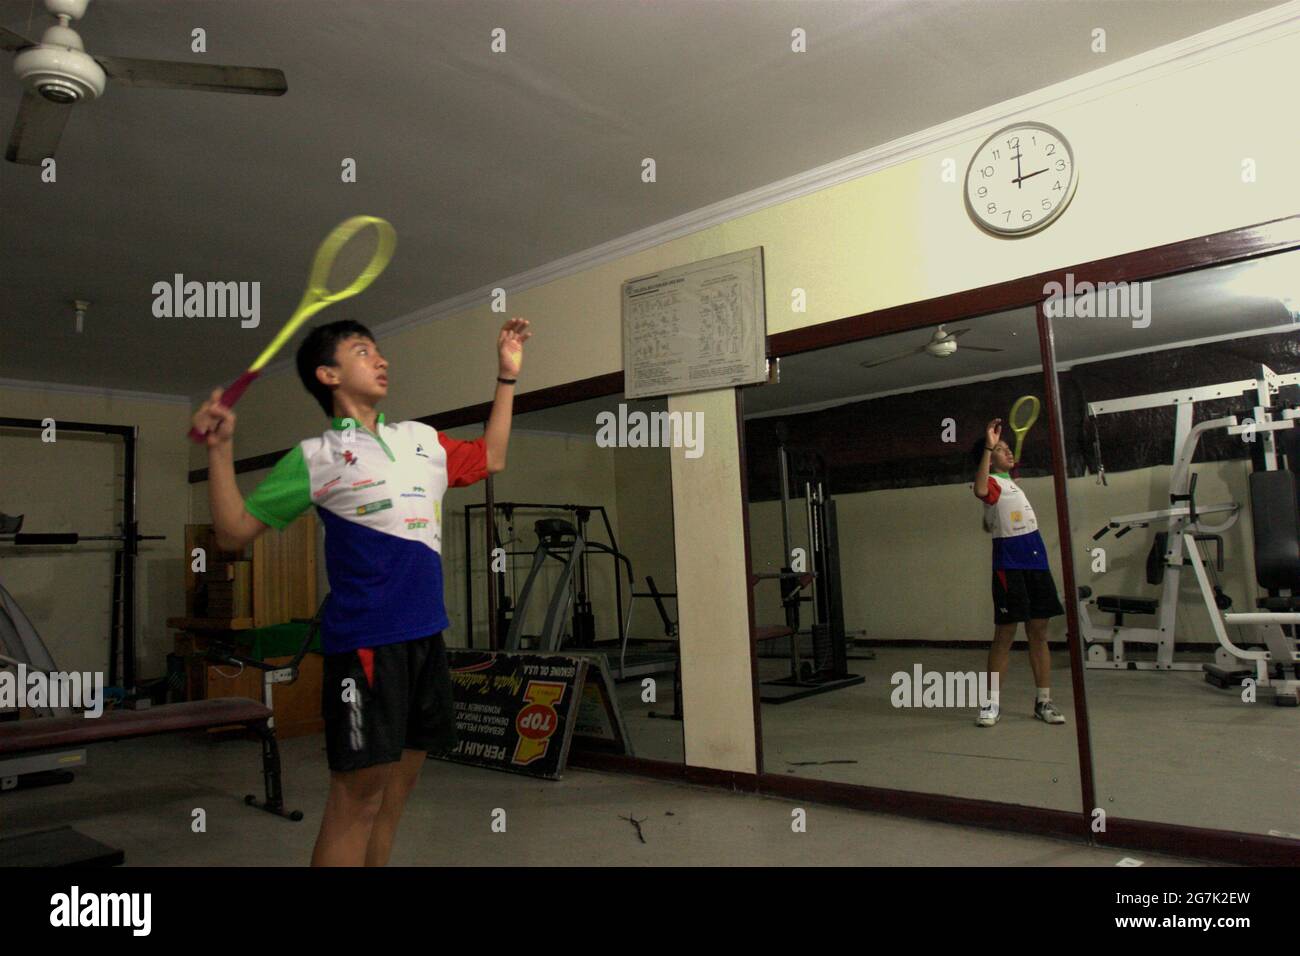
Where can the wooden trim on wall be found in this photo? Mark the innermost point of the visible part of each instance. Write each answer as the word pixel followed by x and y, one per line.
pixel 1074 634
pixel 1186 255
pixel 1229 846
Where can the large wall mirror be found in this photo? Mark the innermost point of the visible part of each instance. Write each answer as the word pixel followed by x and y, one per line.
pixel 1179 420
pixel 887 594
pixel 574 483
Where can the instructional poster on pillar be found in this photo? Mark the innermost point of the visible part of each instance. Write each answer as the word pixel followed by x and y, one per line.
pixel 695 327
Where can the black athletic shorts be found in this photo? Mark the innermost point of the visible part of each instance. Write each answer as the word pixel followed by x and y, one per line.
pixel 402 701
pixel 1024 596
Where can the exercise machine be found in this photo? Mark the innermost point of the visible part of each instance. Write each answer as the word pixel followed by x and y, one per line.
pixel 564 542
pixel 503 601
pixel 122 629
pixel 1186 528
pixel 817 584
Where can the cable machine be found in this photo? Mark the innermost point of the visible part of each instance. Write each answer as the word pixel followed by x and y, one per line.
pixel 817 583
pixel 122 623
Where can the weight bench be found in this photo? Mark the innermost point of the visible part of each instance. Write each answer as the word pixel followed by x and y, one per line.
pixel 40 734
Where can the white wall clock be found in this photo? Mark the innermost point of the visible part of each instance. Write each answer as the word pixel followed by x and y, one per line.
pixel 1020 179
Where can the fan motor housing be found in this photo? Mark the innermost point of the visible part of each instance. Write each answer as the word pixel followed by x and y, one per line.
pixel 59 69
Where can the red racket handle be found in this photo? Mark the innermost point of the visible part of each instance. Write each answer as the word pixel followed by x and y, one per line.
pixel 228 398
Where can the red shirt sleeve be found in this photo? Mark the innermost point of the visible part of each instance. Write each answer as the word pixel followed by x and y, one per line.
pixel 466 460
pixel 995 492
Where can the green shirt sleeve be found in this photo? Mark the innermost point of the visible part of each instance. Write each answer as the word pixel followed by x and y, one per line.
pixel 284 494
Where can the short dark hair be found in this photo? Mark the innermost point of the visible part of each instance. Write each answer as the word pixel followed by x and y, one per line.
pixel 319 348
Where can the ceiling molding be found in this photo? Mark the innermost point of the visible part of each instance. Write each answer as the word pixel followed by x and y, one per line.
pixel 119 394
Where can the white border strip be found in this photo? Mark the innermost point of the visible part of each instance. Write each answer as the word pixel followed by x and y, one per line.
pixel 119 394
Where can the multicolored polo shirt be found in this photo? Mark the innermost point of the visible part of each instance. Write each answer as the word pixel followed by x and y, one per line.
pixel 379 495
pixel 1010 517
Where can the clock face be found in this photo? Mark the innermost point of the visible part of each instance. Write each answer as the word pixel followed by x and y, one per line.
pixel 1020 179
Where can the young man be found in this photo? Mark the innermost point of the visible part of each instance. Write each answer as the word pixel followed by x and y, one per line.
pixel 378 488
pixel 1023 588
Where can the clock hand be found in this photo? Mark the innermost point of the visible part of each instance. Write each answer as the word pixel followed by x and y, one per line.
pixel 1020 179
pixel 1018 176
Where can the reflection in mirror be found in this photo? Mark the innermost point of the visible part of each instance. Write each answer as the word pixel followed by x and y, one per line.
pixel 869 544
pixel 582 516
pixel 1180 427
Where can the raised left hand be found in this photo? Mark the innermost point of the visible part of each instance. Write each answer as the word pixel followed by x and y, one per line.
pixel 510 347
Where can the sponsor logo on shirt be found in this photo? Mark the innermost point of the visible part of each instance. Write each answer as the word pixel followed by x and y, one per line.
pixel 420 452
pixel 371 506
pixel 368 483
pixel 327 486
pixel 350 458
pixel 414 523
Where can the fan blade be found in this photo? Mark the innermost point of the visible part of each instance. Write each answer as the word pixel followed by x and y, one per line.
pixel 37 129
pixel 167 75
pixel 13 42
pixel 979 348
pixel 953 334
pixel 893 358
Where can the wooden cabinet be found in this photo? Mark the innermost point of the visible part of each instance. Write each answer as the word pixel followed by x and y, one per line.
pixel 235 593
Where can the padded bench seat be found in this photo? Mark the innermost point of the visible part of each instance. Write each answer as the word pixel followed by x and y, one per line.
pixel 1282 604
pixel 46 733
pixel 1114 604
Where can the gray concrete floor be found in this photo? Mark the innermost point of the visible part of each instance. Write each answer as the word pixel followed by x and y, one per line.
pixel 140 796
pixel 1166 745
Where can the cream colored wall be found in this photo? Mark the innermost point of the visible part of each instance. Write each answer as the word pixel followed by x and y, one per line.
pixel 712 591
pixel 74 484
pixel 897 236
pixel 643 477
pixel 915 562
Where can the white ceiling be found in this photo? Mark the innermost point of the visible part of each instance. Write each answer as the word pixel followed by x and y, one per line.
pixel 487 165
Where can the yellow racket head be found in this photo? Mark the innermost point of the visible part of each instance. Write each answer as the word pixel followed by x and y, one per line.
pixel 353 253
pixel 351 257
pixel 1021 429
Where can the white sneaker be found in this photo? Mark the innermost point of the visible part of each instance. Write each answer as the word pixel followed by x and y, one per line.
pixel 1046 711
pixel 988 716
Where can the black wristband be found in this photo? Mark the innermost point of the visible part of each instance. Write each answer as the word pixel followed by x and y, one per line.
pixel 987 448
pixel 507 381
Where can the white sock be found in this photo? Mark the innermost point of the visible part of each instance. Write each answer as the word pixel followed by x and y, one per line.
pixel 1044 694
pixel 993 700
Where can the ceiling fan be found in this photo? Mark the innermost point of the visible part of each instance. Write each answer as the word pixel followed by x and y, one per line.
pixel 941 345
pixel 57 73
